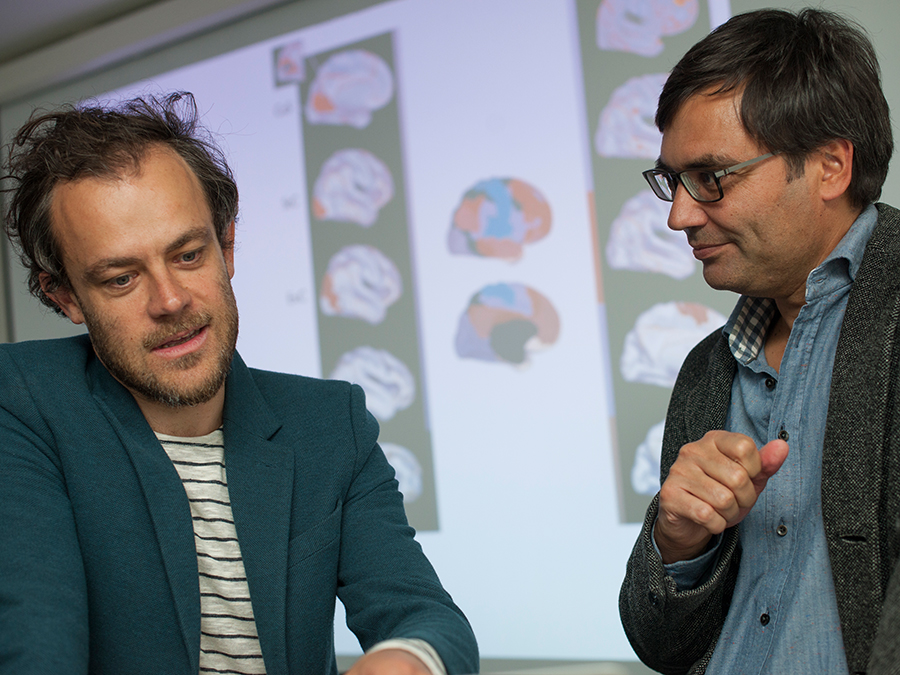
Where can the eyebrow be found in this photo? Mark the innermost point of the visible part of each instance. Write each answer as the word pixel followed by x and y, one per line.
pixel 99 269
pixel 709 161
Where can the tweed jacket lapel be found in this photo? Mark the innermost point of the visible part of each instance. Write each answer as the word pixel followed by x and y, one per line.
pixel 260 472
pixel 703 395
pixel 857 438
pixel 165 499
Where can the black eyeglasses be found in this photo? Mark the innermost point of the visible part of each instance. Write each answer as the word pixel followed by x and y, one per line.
pixel 704 186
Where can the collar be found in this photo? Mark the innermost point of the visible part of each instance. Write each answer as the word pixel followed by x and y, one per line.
pixel 750 320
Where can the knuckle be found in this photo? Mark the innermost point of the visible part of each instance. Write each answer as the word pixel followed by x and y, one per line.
pixel 722 498
pixel 704 513
pixel 737 476
pixel 691 452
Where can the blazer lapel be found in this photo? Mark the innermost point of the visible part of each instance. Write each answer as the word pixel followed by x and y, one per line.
pixel 260 475
pixel 165 499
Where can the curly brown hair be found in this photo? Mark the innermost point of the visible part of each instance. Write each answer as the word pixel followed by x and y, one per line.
pixel 93 141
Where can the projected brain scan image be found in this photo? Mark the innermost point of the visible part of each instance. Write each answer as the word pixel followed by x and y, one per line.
pixel 497 217
pixel 407 470
pixel 636 26
pixel 388 383
pixel 661 338
pixel 640 241
pixel 645 470
pixel 289 63
pixel 352 186
pixel 348 87
pixel 506 323
pixel 360 283
pixel 626 128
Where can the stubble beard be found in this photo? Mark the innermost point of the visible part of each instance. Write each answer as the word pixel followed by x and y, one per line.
pixel 150 385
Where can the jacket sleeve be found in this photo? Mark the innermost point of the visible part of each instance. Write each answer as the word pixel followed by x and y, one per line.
pixel 43 597
pixel 387 585
pixel 672 630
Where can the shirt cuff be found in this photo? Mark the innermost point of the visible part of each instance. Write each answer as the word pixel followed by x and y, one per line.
pixel 688 574
pixel 418 648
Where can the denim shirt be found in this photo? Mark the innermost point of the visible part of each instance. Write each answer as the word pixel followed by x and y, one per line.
pixel 783 615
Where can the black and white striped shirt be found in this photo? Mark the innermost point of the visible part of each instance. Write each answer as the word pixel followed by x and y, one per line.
pixel 229 643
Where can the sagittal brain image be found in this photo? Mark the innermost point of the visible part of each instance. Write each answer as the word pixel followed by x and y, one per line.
pixel 497 217
pixel 640 240
pixel 289 63
pixel 407 470
pixel 348 87
pixel 352 186
pixel 661 338
pixel 361 282
pixel 506 323
pixel 626 128
pixel 636 26
pixel 388 383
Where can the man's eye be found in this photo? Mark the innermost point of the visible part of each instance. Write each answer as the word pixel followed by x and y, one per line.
pixel 121 280
pixel 190 256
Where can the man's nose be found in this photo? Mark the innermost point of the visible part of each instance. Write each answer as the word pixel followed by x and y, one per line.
pixel 686 212
pixel 169 296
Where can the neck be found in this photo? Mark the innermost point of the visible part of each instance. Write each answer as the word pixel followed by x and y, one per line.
pixel 834 221
pixel 197 420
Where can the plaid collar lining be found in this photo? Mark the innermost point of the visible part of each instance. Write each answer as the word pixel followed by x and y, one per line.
pixel 748 332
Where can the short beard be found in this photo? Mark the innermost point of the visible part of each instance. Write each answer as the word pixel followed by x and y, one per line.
pixel 148 385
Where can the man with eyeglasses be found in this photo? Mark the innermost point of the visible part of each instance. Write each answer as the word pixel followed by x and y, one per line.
pixel 770 546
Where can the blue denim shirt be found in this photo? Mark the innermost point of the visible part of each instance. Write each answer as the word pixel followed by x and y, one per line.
pixel 783 616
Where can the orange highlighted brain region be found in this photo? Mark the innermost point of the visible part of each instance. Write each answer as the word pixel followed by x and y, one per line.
pixel 497 217
pixel 507 323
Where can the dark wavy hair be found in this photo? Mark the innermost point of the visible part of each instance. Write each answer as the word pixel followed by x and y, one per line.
pixel 92 141
pixel 805 79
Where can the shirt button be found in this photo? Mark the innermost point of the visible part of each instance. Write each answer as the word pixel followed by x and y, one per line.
pixel 783 435
pixel 781 530
pixel 764 619
pixel 770 382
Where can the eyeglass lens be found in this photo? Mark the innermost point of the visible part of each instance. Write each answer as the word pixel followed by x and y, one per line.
pixel 702 185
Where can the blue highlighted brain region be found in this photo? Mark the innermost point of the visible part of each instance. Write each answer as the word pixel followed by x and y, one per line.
pixel 497 217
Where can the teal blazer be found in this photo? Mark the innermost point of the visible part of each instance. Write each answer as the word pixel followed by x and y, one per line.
pixel 98 570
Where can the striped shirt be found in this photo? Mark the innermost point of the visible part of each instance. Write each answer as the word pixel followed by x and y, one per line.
pixel 229 643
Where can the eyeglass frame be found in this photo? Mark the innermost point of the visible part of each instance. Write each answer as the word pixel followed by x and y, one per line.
pixel 674 178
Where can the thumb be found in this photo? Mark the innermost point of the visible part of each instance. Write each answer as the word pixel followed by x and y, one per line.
pixel 772 456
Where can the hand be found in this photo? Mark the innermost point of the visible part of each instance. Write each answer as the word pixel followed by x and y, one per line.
pixel 712 486
pixel 389 662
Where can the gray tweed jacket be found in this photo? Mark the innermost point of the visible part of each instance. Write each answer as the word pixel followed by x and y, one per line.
pixel 676 631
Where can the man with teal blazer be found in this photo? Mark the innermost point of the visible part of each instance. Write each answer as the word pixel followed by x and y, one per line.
pixel 125 219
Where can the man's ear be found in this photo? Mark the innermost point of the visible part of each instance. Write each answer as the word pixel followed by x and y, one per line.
pixel 228 251
pixel 64 298
pixel 835 161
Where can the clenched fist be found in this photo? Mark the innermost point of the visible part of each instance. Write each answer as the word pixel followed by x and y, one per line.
pixel 712 486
